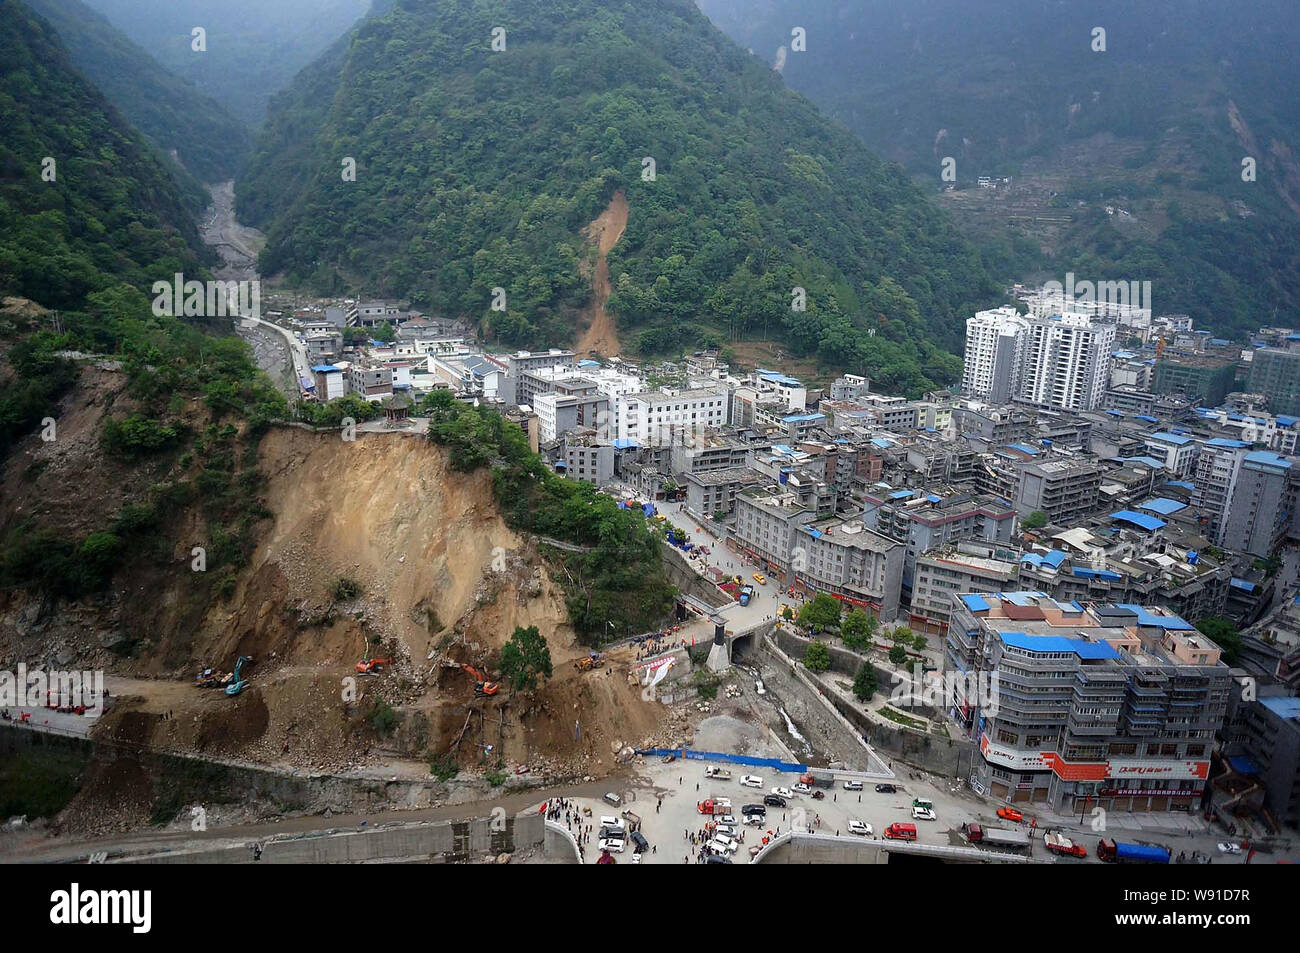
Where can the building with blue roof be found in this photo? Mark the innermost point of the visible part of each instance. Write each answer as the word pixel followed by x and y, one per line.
pixel 1140 520
pixel 1161 506
pixel 1101 705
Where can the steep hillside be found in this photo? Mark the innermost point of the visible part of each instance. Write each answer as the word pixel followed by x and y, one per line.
pixel 207 140
pixel 254 48
pixel 479 169
pixel 112 212
pixel 1155 128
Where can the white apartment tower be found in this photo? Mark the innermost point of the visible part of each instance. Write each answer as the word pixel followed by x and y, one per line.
pixel 994 354
pixel 1066 361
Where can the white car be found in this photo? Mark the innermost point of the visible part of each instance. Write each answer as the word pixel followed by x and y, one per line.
pixel 724 819
pixel 853 785
pixel 782 792
pixel 755 820
pixel 727 841
pixel 860 827
pixel 924 814
pixel 613 846
pixel 802 788
pixel 728 829
pixel 758 687
pixel 751 781
pixel 608 820
pixel 1230 848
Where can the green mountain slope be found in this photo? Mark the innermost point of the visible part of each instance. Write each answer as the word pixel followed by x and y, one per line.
pixel 112 212
pixel 479 169
pixel 208 141
pixel 254 47
pixel 1156 125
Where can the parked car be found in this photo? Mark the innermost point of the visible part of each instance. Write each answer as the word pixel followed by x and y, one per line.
pixel 751 781
pixel 774 800
pixel 612 798
pixel 886 789
pixel 611 845
pixel 640 844
pixel 853 785
pixel 1230 848
pixel 1010 814
pixel 760 579
pixel 724 819
pixel 803 788
pixel 609 820
pixel 783 792
pixel 717 859
pixel 752 809
pixel 924 814
pixel 860 827
pixel 612 833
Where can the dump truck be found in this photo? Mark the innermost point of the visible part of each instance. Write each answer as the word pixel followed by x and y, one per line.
pixel 997 837
pixel 716 773
pixel 1058 843
pixel 714 805
pixel 1118 852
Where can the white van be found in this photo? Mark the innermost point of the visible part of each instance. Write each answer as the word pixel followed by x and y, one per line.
pixel 853 785
pixel 720 846
pixel 609 820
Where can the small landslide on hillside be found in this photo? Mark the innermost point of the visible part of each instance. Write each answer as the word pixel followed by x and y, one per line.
pixel 600 337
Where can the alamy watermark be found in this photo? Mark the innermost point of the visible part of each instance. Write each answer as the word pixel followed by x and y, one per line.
pixel 37 688
pixel 206 299
pixel 940 690
pixel 1124 294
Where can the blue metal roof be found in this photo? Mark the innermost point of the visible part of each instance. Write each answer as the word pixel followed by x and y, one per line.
pixel 1023 449
pixel 900 494
pixel 1268 458
pixel 1165 437
pixel 778 378
pixel 1084 572
pixel 326 368
pixel 975 603
pixel 1146 617
pixel 1162 505
pixel 625 444
pixel 1183 483
pixel 1284 706
pixel 1225 442
pixel 1059 643
pixel 1241 584
pixel 1148 419
pixel 1285 421
pixel 1054 558
pixel 1149 523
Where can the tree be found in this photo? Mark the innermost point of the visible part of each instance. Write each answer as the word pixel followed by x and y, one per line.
pixel 865 682
pixel 524 658
pixel 818 657
pixel 858 629
pixel 821 612
pixel 898 655
pixel 1223 633
pixel 1035 520
pixel 918 642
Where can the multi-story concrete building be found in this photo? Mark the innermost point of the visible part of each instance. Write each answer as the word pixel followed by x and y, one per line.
pixel 765 524
pixel 588 458
pixel 714 491
pixel 927 521
pixel 851 563
pixel 1177 452
pixel 1261 504
pixel 1063 488
pixel 520 362
pixel 1276 373
pixel 582 407
pixel 661 418
pixel 1207 380
pixel 1266 730
pixel 995 342
pixel 1216 469
pixel 849 387
pixel 966 567
pixel 331 382
pixel 1066 362
pixel 1110 706
pixel 373 382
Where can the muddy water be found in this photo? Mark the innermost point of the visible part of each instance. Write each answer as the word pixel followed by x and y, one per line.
pixel 238 245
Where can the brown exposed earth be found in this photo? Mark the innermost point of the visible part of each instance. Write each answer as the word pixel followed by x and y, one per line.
pixel 601 336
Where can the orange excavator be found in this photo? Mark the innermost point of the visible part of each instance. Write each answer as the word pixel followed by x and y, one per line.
pixel 481 685
pixel 373 666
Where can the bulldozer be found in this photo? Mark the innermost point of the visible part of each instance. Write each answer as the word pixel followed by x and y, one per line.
pixel 373 666
pixel 481 684
pixel 588 662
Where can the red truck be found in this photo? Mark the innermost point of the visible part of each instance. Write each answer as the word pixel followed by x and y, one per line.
pixel 1058 843
pixel 720 805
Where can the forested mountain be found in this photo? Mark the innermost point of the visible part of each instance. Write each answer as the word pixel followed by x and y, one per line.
pixel 253 47
pixel 111 212
pixel 1154 128
pixel 207 140
pixel 478 169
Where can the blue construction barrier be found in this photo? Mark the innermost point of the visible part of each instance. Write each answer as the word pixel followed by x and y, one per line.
pixel 689 754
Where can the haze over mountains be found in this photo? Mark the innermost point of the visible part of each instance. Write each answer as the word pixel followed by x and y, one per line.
pixel 1157 126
